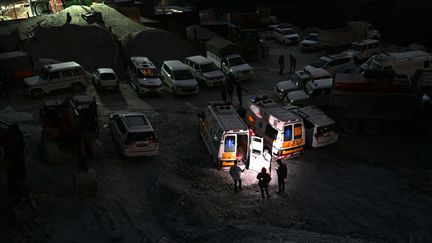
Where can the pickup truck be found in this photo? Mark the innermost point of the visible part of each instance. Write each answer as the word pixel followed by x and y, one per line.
pixel 373 81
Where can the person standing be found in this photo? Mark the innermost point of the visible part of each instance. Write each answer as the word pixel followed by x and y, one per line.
pixel 229 87
pixel 68 18
pixel 239 93
pixel 235 172
pixel 293 63
pixel 263 182
pixel 282 172
pixel 281 64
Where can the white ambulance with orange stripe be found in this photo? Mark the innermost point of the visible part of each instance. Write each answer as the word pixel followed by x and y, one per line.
pixel 225 134
pixel 283 131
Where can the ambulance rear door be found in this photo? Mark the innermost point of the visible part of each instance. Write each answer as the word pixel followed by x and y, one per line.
pixel 256 159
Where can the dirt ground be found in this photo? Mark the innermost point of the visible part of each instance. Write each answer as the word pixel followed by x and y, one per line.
pixel 362 189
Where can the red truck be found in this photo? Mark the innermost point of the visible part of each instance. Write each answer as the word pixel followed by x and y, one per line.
pixel 373 81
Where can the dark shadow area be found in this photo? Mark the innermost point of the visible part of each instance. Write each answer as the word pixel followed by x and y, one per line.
pixel 113 100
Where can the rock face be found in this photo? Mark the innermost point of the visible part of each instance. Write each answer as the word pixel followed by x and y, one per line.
pixel 90 46
pixel 158 45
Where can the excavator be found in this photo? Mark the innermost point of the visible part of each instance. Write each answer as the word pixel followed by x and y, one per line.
pixel 70 129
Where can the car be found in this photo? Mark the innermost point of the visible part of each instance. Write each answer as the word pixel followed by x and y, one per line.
pixel 144 76
pixel 178 78
pixel 316 92
pixel 205 71
pixel 133 134
pixel 286 36
pixel 105 78
pixel 298 80
pixel 333 64
pixel 310 43
pixel 54 77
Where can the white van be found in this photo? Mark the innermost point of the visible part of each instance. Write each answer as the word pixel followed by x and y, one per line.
pixel 225 134
pixel 320 129
pixel 407 63
pixel 133 134
pixel 205 71
pixel 282 130
pixel 362 50
pixel 144 76
pixel 333 64
pixel 178 78
pixel 54 77
pixel 286 36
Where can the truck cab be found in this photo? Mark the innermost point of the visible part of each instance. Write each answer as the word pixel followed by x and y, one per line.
pixel 315 92
pixel 362 50
pixel 226 56
pixel 298 80
pixel 235 64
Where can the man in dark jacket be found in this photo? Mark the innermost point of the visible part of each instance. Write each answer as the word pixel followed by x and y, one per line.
pixel 281 64
pixel 282 172
pixel 263 182
pixel 235 172
pixel 229 87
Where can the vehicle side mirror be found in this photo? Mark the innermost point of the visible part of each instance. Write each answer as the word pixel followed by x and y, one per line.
pixel 111 116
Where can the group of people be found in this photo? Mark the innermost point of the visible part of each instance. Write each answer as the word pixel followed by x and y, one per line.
pixel 293 64
pixel 227 90
pixel 263 178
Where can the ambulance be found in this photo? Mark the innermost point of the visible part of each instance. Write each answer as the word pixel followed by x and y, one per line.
pixel 282 130
pixel 227 137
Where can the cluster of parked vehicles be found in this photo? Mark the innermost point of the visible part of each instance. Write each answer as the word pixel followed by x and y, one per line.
pixel 329 84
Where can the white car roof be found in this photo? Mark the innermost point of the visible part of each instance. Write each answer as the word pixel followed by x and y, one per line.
pixel 176 65
pixel 317 72
pixel 314 115
pixel 142 62
pixel 199 59
pixel 365 42
pixel 62 66
pixel 105 70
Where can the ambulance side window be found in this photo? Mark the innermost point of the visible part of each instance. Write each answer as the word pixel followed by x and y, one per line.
pixel 270 131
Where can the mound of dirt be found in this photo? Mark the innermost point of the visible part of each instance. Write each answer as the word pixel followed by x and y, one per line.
pixel 90 46
pixel 158 45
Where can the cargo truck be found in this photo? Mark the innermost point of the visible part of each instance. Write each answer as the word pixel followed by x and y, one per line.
pixel 338 39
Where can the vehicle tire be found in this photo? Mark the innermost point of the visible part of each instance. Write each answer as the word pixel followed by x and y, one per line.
pixel 356 60
pixel 173 91
pixel 36 93
pixel 77 86
pixel 116 88
pixel 349 125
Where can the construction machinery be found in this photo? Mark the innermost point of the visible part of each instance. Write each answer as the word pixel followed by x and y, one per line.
pixel 70 130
